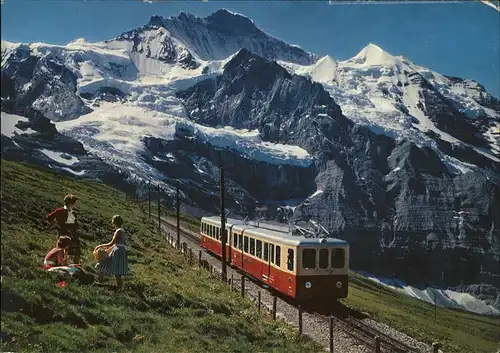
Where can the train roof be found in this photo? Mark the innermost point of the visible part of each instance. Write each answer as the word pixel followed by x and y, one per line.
pixel 229 221
pixel 280 235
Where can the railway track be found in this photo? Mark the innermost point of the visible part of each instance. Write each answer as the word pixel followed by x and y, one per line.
pixel 366 334
pixel 350 325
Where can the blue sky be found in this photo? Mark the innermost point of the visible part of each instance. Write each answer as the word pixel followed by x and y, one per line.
pixel 453 39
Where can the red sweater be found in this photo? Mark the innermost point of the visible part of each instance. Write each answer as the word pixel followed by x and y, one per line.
pixel 60 215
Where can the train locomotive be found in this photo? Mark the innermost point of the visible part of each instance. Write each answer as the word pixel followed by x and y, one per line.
pixel 304 269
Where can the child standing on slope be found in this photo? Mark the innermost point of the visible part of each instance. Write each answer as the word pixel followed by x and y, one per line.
pixel 66 224
pixel 116 263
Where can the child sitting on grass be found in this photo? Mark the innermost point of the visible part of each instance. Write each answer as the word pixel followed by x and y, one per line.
pixel 56 261
pixel 58 256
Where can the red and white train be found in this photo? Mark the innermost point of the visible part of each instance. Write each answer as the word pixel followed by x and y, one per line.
pixel 305 269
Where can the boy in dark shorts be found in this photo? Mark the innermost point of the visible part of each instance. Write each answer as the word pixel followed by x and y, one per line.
pixel 66 224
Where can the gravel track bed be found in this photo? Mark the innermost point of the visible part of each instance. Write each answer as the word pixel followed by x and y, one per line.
pixel 402 337
pixel 316 327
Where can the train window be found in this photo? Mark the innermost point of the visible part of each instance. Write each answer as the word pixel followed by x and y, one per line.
pixel 309 258
pixel 323 258
pixel 337 258
pixel 289 260
pixel 252 246
pixel 258 250
pixel 266 251
pixel 235 240
pixel 217 231
pixel 271 252
pixel 240 241
pixel 277 260
pixel 245 243
pixel 209 230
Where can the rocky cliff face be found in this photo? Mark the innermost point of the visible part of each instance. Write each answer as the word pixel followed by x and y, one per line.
pixel 224 33
pixel 154 42
pixel 445 116
pixel 254 93
pixel 31 88
pixel 247 181
pixel 43 83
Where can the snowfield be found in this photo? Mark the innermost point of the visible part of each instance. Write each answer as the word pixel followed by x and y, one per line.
pixel 80 173
pixel 442 297
pixel 115 133
pixel 62 158
pixel 9 122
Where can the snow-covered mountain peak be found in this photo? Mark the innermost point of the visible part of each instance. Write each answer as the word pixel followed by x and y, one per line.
pixel 324 70
pixel 223 33
pixel 222 20
pixel 373 55
pixel 6 45
pixel 394 96
pixel 154 50
pixel 7 48
pixel 78 41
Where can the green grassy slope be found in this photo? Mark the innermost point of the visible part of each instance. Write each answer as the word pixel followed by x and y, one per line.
pixel 458 331
pixel 167 306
